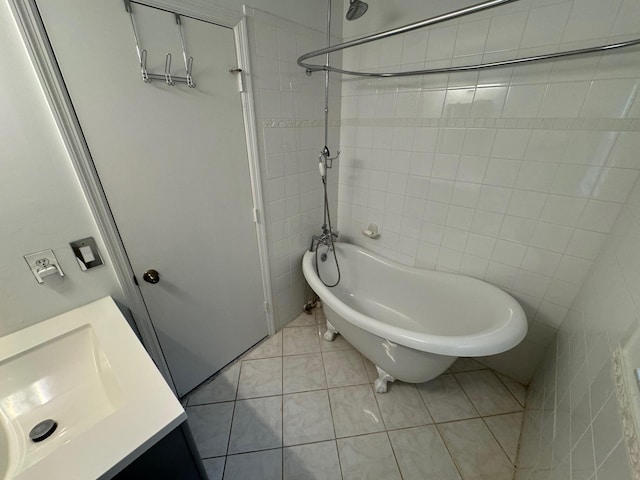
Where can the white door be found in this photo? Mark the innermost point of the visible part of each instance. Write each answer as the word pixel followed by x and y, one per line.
pixel 173 164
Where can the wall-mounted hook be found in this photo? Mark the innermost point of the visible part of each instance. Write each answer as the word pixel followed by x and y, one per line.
pixel 189 66
pixel 167 70
pixel 188 61
pixel 143 66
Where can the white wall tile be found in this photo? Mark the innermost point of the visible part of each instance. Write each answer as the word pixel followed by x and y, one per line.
pixel 510 144
pixel 531 283
pixel 615 184
pixel 441 42
pixel 494 199
pixel 526 203
pixel 449 259
pixel 473 266
pixel 501 275
pixel 427 255
pixel 480 245
pixel 545 25
pixel 487 223
pixel 543 262
pixel 505 31
pixel 609 98
pixel 488 102
pixel 440 190
pixel 465 194
pixel 536 176
pixel 599 216
pixel 460 217
pixel 584 343
pixel 627 19
pixel 509 253
pixel 547 145
pixel 518 229
pixel 551 237
pixel 502 172
pixel 445 166
pixel 472 168
pixel 563 99
pixel 589 148
pixel 586 244
pixel 581 24
pixel 523 101
pixel 624 153
pixel 455 238
pixel 515 174
pixel 431 103
pixel 457 102
pixel 575 180
pixel 450 140
pixel 562 209
pixel 471 38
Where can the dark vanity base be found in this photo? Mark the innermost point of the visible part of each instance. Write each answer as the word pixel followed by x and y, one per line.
pixel 173 457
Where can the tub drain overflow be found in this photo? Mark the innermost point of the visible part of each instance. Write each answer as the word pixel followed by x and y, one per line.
pixel 43 430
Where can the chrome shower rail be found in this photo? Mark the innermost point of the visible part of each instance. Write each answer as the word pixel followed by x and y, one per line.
pixel 310 67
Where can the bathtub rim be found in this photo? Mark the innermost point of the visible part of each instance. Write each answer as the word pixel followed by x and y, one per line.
pixel 488 342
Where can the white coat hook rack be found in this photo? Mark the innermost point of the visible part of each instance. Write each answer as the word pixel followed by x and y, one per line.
pixel 142 56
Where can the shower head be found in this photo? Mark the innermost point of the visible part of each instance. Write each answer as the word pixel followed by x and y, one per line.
pixel 357 8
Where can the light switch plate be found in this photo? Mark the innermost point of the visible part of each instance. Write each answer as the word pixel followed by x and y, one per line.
pixel 87 253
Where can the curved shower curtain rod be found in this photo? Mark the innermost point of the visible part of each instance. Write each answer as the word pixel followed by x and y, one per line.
pixel 310 67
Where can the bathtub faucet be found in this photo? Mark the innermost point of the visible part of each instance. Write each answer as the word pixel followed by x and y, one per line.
pixel 325 239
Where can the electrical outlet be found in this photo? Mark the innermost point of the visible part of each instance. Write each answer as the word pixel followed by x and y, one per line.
pixel 43 264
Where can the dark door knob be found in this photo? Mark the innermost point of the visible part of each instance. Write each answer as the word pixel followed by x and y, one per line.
pixel 151 276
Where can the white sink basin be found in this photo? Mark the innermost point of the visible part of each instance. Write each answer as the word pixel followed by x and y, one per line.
pixel 88 372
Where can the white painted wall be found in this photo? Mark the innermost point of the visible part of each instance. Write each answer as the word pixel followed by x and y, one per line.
pixel 509 175
pixel 43 206
pixel 41 203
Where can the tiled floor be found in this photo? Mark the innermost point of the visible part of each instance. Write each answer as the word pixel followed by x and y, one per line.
pixel 298 407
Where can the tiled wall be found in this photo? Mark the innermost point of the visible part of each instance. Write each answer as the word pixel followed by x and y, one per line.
pixel 514 175
pixel 290 112
pixel 572 425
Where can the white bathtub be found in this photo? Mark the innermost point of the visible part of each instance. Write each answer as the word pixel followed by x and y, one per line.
pixel 412 323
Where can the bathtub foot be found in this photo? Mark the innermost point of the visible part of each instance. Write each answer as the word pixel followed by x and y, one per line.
pixel 331 332
pixel 381 381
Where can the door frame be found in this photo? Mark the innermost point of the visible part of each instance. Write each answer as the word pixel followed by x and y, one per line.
pixel 41 54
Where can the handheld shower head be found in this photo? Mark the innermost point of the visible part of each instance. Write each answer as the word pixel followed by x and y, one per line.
pixel 357 8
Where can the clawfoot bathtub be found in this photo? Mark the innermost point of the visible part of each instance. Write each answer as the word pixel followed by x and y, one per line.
pixel 411 323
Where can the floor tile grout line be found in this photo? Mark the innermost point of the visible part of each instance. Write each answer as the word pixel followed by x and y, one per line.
pixel 509 390
pixel 499 443
pixel 384 424
pixel 446 446
pixel 501 383
pixel 473 405
pixel 425 404
pixel 333 424
pixel 349 436
pixel 233 412
pixel 282 413
pixel 393 451
pixel 515 460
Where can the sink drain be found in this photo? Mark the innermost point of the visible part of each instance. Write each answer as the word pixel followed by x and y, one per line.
pixel 43 430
